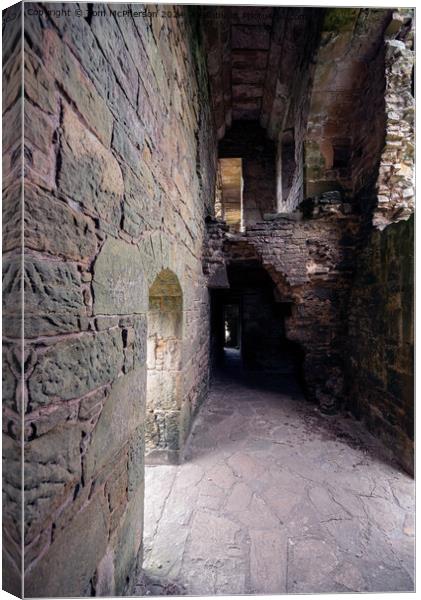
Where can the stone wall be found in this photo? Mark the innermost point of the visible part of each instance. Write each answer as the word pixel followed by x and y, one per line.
pixel 248 141
pixel 379 370
pixel 120 162
pixel 12 301
pixel 292 129
pixel 381 337
pixel 346 117
pixel 395 184
pixel 369 137
pixel 120 166
pixel 310 260
pixel 351 297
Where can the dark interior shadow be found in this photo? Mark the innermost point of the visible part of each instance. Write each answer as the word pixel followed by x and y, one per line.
pixel 342 427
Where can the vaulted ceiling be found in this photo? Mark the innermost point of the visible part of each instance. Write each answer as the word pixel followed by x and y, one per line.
pixel 253 54
pixel 257 55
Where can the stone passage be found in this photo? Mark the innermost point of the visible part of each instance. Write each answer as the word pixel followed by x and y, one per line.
pixel 274 498
pixel 189 179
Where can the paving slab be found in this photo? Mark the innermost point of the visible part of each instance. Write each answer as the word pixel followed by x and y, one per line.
pixel 274 497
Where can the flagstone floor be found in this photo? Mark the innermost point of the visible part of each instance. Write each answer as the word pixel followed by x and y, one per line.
pixel 273 497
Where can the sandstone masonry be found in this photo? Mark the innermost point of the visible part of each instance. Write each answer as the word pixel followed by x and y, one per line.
pixel 116 252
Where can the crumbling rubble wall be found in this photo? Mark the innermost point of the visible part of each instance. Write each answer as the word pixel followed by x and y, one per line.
pixel 311 262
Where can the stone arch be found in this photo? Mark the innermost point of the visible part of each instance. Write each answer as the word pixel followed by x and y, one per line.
pixel 164 368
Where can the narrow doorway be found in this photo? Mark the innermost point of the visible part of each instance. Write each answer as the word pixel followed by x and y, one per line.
pixel 249 324
pixel 164 379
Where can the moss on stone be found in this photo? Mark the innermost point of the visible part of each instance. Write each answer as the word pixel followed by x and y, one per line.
pixel 340 19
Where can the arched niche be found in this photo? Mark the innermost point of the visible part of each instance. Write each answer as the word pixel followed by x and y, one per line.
pixel 164 367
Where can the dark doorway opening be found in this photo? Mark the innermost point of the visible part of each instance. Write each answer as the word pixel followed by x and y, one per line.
pixel 232 326
pixel 248 324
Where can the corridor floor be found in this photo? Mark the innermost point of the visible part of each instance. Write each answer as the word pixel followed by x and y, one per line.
pixel 273 497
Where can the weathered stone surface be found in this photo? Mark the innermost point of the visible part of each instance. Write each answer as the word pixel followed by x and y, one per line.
pixel 12 31
pixel 219 533
pixel 396 202
pixel 12 296
pixel 320 560
pixel 104 576
pixel 122 414
pixel 128 151
pixel 140 341
pixel 11 575
pixel 66 70
pixel 114 142
pixel 39 84
pixel 11 158
pixel 70 563
pixel 12 134
pixel 136 464
pixel 9 384
pixel 72 368
pixel 52 465
pixel 39 132
pixel 45 216
pixel 128 555
pixel 305 462
pixel 380 359
pixel 268 562
pixel 12 73
pixel 121 155
pixel 12 488
pixel 53 297
pixel 89 174
pixel 113 47
pixel 12 217
pixel 48 421
pixel 142 209
pixel 119 283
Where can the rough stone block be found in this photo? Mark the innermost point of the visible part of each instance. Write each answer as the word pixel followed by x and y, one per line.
pixel 45 216
pixel 9 384
pixel 129 152
pixel 52 465
pixel 74 367
pixel 39 84
pixel 123 412
pixel 112 43
pixel 12 133
pixel 119 284
pixel 12 217
pixel 12 298
pixel 39 130
pixel 136 465
pixel 89 173
pixel 142 209
pixel 60 62
pixel 128 550
pixel 48 421
pixel 70 563
pixel 53 298
pixel 164 390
